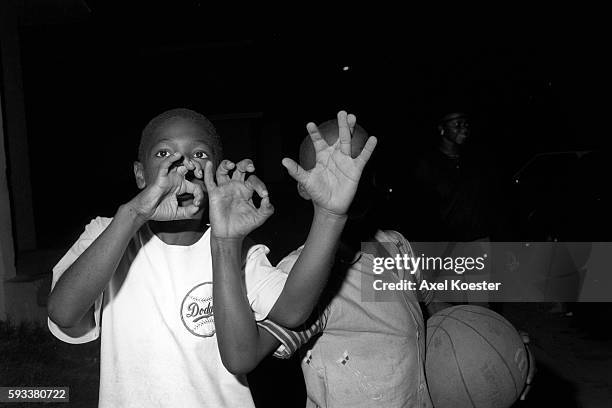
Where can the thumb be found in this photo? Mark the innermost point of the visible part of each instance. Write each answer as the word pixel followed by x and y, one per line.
pixel 295 170
pixel 183 213
pixel 266 208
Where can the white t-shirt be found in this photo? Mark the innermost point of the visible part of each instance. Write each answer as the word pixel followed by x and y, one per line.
pixel 158 345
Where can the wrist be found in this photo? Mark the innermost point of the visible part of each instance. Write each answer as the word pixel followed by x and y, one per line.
pixel 129 213
pixel 327 215
pixel 225 242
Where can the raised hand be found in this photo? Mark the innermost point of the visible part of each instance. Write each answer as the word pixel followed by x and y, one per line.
pixel 232 213
pixel 159 201
pixel 333 182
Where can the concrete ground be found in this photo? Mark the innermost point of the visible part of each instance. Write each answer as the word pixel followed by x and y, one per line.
pixel 574 359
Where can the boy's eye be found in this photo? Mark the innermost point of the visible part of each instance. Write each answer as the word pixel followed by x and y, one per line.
pixel 200 155
pixel 162 153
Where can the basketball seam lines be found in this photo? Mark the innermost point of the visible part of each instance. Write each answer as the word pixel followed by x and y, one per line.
pixel 458 366
pixel 432 334
pixel 498 353
pixel 491 316
pixel 442 321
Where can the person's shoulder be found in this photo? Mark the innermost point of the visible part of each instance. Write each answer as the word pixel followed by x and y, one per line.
pixel 294 254
pixel 249 248
pixel 247 244
pixel 253 252
pixel 101 222
pixel 289 260
pixel 92 231
pixel 398 239
pixel 392 235
pixel 97 225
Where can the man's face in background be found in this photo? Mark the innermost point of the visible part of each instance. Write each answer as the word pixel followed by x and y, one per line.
pixel 455 127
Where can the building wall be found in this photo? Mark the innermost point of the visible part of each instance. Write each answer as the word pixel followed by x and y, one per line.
pixel 18 296
pixel 7 256
pixel 17 152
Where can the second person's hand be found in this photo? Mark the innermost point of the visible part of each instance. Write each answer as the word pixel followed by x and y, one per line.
pixel 333 182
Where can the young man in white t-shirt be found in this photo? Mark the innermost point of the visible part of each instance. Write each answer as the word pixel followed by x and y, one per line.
pixel 142 280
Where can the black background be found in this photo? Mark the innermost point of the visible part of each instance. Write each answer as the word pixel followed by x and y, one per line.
pixel 533 85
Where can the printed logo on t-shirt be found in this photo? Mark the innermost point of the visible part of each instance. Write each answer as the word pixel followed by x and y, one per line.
pixel 197 310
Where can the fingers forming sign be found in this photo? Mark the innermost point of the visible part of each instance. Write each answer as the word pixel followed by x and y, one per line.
pixel 232 213
pixel 160 202
pixel 333 182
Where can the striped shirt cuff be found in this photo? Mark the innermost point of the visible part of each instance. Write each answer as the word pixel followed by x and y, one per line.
pixel 290 340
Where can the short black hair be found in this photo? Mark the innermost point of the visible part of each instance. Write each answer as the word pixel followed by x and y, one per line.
pixel 189 115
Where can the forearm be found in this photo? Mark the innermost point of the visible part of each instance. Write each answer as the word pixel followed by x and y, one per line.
pixel 236 330
pixel 83 282
pixel 310 272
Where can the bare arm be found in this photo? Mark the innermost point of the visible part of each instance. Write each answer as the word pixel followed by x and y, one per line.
pixel 331 185
pixel 232 216
pixel 310 272
pixel 242 344
pixel 82 283
pixel 71 300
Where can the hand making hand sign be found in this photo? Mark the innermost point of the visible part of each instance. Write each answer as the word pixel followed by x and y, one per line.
pixel 232 213
pixel 159 201
pixel 333 181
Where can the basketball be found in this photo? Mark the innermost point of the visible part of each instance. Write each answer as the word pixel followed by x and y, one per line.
pixel 475 358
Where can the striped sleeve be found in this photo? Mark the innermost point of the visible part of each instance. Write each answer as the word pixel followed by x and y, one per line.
pixel 291 340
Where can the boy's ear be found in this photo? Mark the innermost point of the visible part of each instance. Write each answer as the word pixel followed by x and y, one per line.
pixel 139 174
pixel 302 192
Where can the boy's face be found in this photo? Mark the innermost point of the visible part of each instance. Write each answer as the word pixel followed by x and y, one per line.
pixel 177 136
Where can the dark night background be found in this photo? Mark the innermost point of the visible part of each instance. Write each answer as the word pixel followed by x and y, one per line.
pixel 91 85
pixel 93 78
